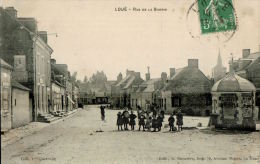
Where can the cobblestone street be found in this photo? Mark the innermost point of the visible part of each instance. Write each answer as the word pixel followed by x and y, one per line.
pixel 78 139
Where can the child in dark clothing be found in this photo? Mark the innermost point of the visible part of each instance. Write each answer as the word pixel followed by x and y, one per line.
pixel 132 120
pixel 171 122
pixel 154 123
pixel 148 123
pixel 141 121
pixel 159 122
pixel 179 117
pixel 119 121
pixel 125 119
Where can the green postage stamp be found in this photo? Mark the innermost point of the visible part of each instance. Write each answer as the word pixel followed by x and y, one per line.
pixel 216 16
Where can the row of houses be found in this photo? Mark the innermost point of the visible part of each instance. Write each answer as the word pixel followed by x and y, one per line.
pixel 33 86
pixel 187 88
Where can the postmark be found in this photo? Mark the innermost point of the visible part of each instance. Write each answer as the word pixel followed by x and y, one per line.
pixel 216 16
pixel 204 28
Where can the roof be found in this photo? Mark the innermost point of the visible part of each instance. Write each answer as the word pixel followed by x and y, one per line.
pixel 15 84
pixel 177 71
pixel 148 86
pixel 233 83
pixel 252 58
pixel 189 80
pixel 5 65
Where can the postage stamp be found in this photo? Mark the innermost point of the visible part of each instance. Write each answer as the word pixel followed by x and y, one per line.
pixel 216 16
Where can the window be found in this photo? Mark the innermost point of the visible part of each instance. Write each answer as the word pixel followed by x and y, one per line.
pixel 176 101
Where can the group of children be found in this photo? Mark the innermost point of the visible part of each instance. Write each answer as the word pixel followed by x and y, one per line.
pixel 146 121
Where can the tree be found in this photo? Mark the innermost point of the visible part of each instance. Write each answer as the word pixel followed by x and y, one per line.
pixel 98 79
pixel 85 79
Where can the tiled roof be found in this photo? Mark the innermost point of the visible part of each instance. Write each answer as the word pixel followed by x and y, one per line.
pixel 189 80
pixel 4 64
pixel 15 84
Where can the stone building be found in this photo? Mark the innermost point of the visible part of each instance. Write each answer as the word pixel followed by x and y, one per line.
pixel 219 71
pixel 5 70
pixel 189 89
pixel 21 114
pixel 148 92
pixel 58 90
pixel 121 91
pixel 248 67
pixel 26 49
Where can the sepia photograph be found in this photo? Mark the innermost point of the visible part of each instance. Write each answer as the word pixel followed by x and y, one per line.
pixel 130 81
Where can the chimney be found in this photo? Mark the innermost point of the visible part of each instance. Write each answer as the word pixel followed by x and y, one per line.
pixel 119 77
pixel 11 11
pixel 193 63
pixel 29 23
pixel 137 74
pixel 172 72
pixel 147 75
pixel 164 76
pixel 53 61
pixel 245 53
pixel 43 35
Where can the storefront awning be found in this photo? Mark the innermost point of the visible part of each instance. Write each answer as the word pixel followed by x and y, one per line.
pixel 70 100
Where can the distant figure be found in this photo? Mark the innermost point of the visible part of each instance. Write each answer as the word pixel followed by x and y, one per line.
pixel 102 110
pixel 132 120
pixel 179 117
pixel 119 121
pixel 141 121
pixel 125 118
pixel 154 124
pixel 162 114
pixel 159 122
pixel 148 123
pixel 171 121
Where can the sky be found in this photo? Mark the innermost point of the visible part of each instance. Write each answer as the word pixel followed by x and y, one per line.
pixel 92 36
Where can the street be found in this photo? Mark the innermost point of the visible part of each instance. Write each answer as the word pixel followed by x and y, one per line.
pixel 84 138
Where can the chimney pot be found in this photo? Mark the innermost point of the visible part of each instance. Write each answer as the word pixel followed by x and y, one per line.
pixel 11 11
pixel 193 63
pixel 245 53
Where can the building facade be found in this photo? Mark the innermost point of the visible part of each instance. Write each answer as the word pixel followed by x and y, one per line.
pixel 248 67
pixel 5 95
pixel 21 111
pixel 188 89
pixel 26 49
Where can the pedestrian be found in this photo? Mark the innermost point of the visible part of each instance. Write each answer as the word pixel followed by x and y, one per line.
pixel 119 121
pixel 171 121
pixel 125 118
pixel 162 114
pixel 154 123
pixel 132 120
pixel 159 122
pixel 179 117
pixel 141 121
pixel 148 124
pixel 102 110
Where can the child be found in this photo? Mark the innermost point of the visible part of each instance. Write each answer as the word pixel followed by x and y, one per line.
pixel 148 123
pixel 119 121
pixel 179 117
pixel 125 119
pixel 132 120
pixel 154 123
pixel 159 122
pixel 141 121
pixel 171 122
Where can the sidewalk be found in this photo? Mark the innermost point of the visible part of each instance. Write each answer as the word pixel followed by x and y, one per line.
pixel 16 134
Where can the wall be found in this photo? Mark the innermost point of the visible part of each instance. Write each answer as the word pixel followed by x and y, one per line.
pixel 5 99
pixel 20 108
